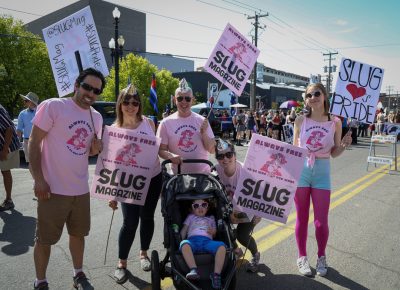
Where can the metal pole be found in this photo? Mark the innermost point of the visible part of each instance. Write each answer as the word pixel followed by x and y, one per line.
pixel 117 53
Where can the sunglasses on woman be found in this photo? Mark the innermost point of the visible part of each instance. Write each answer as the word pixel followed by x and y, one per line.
pixel 89 88
pixel 187 99
pixel 133 103
pixel 228 155
pixel 197 205
pixel 315 94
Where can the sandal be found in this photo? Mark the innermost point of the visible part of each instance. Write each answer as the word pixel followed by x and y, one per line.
pixel 145 264
pixel 121 275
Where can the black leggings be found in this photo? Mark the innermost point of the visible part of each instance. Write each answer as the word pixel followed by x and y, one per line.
pixel 132 213
pixel 243 231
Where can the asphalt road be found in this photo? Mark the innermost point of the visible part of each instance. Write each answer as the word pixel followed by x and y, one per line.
pixel 363 249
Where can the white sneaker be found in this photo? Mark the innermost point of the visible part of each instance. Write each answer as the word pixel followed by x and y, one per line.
pixel 304 266
pixel 322 266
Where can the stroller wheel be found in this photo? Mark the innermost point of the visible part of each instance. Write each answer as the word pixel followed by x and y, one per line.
pixel 155 271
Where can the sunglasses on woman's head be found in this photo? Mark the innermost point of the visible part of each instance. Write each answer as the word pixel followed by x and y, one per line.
pixel 89 88
pixel 228 155
pixel 197 205
pixel 187 98
pixel 315 94
pixel 133 103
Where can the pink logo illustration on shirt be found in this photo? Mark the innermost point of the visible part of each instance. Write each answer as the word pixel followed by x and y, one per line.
pixel 128 154
pixel 315 139
pixel 272 166
pixel 186 139
pixel 237 50
pixel 78 140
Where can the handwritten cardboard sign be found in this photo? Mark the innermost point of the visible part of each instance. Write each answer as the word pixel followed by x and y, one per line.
pixel 232 59
pixel 76 32
pixel 357 91
pixel 268 179
pixel 125 166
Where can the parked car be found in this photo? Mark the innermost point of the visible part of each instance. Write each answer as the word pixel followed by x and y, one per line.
pixel 107 111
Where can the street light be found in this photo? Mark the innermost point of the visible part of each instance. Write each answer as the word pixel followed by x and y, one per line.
pixel 116 50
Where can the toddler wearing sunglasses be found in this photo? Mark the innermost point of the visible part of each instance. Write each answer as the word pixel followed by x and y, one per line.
pixel 199 229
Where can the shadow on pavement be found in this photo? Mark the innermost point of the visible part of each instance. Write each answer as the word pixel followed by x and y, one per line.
pixel 136 281
pixel 18 231
pixel 335 277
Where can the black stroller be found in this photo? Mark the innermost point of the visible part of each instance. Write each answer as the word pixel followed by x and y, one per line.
pixel 177 191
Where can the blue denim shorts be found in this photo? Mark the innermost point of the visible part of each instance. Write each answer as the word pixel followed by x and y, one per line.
pixel 318 176
pixel 201 244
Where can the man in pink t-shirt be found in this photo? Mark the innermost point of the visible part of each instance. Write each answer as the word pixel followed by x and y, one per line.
pixel 185 134
pixel 63 136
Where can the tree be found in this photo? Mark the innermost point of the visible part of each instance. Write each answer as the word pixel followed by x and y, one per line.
pixel 139 71
pixel 24 65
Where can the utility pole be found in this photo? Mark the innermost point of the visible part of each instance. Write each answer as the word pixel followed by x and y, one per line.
pixel 389 88
pixel 253 88
pixel 329 69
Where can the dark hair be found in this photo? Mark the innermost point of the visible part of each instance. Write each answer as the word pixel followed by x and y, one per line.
pixel 90 72
pixel 125 96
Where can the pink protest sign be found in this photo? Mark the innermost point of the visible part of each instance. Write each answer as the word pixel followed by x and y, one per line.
pixel 125 166
pixel 268 179
pixel 232 59
pixel 357 91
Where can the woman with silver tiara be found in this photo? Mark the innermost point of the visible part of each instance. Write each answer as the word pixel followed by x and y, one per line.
pixel 185 134
pixel 129 116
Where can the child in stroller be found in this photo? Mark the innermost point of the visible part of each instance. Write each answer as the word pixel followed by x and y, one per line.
pixel 200 228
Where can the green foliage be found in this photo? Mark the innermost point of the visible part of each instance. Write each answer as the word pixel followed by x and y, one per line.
pixel 140 71
pixel 24 65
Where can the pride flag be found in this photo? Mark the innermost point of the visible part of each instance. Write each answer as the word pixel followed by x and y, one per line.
pixel 153 94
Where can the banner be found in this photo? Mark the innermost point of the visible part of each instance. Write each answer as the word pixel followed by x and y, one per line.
pixel 74 33
pixel 392 129
pixel 232 60
pixel 125 166
pixel 357 91
pixel 268 179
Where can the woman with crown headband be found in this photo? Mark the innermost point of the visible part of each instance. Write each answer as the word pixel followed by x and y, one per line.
pixel 185 134
pixel 129 116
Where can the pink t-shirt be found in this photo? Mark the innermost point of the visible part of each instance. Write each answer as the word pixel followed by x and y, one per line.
pixel 182 136
pixel 318 138
pixel 66 146
pixel 229 182
pixel 145 129
pixel 198 225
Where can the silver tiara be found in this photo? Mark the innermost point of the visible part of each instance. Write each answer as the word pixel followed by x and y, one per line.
pixel 131 90
pixel 183 85
pixel 222 145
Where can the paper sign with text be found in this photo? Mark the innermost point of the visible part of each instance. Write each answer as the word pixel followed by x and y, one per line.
pixel 357 91
pixel 125 166
pixel 232 59
pixel 76 32
pixel 268 179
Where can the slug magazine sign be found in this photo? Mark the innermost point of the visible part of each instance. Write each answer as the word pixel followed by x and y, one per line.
pixel 74 33
pixel 268 179
pixel 357 91
pixel 232 59
pixel 125 166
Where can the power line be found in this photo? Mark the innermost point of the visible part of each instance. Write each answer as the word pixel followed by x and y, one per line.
pixel 20 11
pixel 224 8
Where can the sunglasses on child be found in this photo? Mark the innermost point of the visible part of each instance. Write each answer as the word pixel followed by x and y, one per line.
pixel 315 94
pixel 133 103
pixel 228 155
pixel 198 205
pixel 187 98
pixel 89 88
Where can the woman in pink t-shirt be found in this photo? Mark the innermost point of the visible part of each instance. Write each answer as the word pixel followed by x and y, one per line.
pixel 129 116
pixel 319 133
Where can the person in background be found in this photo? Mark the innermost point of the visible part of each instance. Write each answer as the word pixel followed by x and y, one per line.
pixel 240 127
pixel 9 156
pixel 391 117
pixel 185 134
pixel 63 136
pixel 380 119
pixel 250 124
pixel 25 117
pixel 130 116
pixel 320 134
pixel 353 125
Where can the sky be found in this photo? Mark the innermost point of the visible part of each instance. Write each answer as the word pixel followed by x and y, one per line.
pixel 296 34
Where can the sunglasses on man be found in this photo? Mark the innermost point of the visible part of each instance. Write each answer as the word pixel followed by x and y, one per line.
pixel 133 103
pixel 228 155
pixel 187 98
pixel 198 205
pixel 315 94
pixel 89 88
